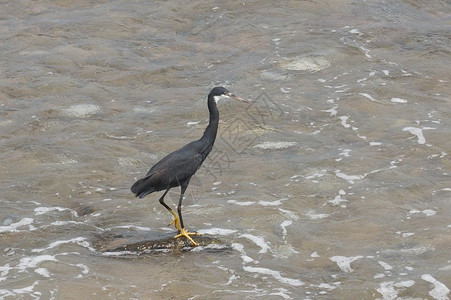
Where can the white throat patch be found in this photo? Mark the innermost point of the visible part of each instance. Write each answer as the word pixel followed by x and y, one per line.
pixel 217 98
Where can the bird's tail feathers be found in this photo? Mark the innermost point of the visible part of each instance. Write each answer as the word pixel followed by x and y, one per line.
pixel 140 189
pixel 144 194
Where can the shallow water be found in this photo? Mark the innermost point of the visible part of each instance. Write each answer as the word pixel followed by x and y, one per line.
pixel 333 184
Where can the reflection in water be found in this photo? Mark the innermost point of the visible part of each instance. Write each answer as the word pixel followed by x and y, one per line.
pixel 334 183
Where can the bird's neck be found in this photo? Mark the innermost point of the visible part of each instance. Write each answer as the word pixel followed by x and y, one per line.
pixel 212 128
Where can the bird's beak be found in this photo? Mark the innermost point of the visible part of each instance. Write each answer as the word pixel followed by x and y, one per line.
pixel 237 98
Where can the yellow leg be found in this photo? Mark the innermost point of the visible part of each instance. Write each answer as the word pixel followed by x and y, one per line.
pixel 176 221
pixel 187 234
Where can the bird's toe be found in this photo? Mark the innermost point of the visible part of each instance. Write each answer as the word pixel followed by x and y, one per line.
pixel 187 234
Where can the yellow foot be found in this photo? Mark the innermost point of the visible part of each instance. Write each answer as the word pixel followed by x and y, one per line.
pixel 187 234
pixel 176 222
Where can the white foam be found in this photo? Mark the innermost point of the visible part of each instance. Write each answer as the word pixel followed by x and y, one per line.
pixel 311 214
pixel 84 270
pixel 375 143
pixel 275 274
pixel 259 241
pixel 333 111
pixel 130 227
pixel 26 290
pixel 291 214
pixel 43 272
pixel 417 250
pixel 366 51
pixel 385 265
pixel 241 203
pixel 143 110
pixel 388 291
pixel 337 200
pixel 445 268
pixel 192 123
pixel 398 100
pixel 32 262
pixel 282 293
pixel 43 210
pixel 406 283
pixel 367 96
pixel 4 270
pixel 232 277
pixel 440 291
pixel 344 263
pixel 284 226
pixel 240 248
pixel 426 212
pixel 314 254
pixel 345 152
pixel 209 247
pixel 317 175
pixel 344 120
pixel 429 212
pixel 13 226
pixel 270 203
pixel 418 132
pixel 123 253
pixel 275 145
pixel 78 240
pixel 68 161
pixel 285 90
pixel 350 178
pixel 327 286
pixel 63 223
pixel 217 231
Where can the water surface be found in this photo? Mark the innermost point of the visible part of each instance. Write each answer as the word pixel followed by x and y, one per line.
pixel 333 184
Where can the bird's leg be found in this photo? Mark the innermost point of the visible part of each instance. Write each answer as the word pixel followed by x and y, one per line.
pixel 176 220
pixel 182 231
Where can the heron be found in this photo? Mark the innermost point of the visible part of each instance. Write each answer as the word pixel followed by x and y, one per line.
pixel 177 168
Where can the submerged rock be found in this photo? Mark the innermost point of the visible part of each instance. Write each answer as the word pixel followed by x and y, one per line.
pixel 83 209
pixel 269 75
pixel 134 244
pixel 310 63
pixel 81 110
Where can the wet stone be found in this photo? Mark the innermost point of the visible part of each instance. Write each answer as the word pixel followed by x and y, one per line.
pixel 83 209
pixel 151 242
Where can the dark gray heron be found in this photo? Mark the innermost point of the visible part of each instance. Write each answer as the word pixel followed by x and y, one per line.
pixel 177 168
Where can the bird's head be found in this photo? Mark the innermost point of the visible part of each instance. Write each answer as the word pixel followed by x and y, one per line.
pixel 221 92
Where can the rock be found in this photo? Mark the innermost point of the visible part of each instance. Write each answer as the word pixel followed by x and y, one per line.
pixel 151 242
pixel 81 110
pixel 310 63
